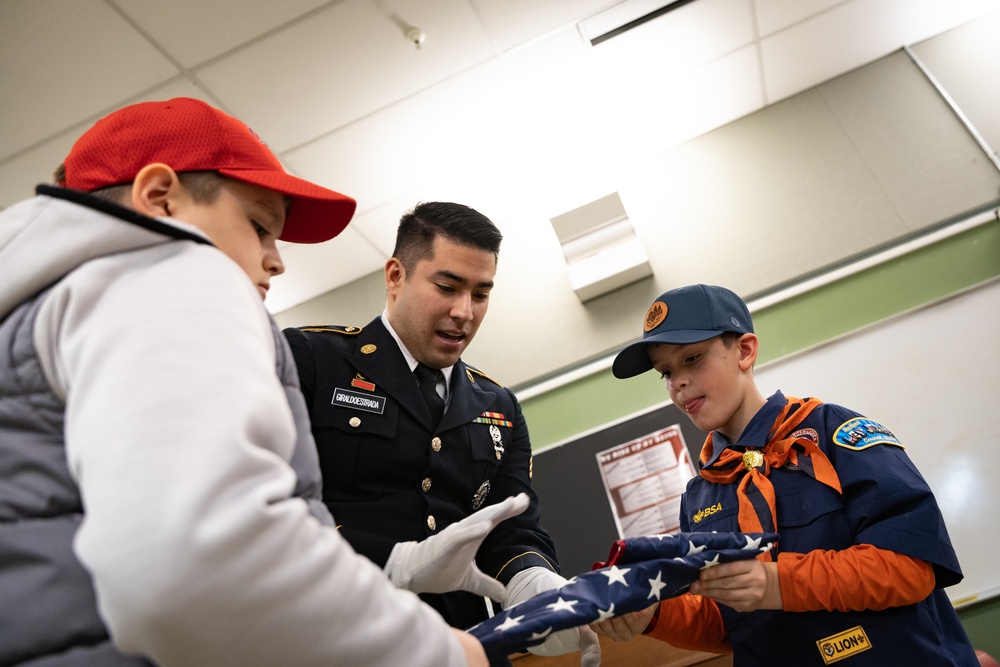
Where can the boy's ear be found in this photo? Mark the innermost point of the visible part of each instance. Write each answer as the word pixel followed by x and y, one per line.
pixel 154 189
pixel 747 344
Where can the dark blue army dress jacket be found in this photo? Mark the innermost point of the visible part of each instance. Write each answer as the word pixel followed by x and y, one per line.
pixel 389 477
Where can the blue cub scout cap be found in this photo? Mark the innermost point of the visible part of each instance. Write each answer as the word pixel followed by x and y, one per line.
pixel 681 316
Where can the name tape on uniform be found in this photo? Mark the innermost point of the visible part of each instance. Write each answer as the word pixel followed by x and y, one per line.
pixel 359 401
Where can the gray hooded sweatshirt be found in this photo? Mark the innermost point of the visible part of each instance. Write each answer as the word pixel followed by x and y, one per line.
pixel 158 480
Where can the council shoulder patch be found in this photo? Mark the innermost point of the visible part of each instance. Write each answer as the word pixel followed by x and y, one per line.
pixel 862 433
pixel 333 328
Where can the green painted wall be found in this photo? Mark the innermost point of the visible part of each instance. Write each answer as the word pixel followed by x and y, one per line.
pixel 798 323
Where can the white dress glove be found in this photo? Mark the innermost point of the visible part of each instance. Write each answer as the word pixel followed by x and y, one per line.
pixel 534 580
pixel 446 562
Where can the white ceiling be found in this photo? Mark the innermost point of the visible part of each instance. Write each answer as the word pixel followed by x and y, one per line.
pixel 506 106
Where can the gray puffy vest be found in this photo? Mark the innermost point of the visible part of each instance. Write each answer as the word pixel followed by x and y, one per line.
pixel 48 610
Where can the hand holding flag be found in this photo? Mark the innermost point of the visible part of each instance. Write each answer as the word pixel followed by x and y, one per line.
pixel 639 572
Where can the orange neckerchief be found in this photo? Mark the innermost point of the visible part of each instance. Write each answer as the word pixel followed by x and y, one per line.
pixel 755 492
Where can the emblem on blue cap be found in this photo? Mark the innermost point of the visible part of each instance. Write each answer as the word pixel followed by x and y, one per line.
pixel 654 316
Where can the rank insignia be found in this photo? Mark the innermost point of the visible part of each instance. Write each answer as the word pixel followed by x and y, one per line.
pixel 497 441
pixel 481 493
pixel 362 383
pixel 494 418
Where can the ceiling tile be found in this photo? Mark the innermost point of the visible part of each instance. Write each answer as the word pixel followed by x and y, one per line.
pixel 853 34
pixel 220 26
pixel 686 104
pixel 513 22
pixel 345 63
pixel 774 15
pixel 64 61
pixel 449 133
pixel 957 60
pixel 686 37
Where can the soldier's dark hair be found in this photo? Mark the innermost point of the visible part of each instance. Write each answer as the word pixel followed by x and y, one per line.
pixel 456 222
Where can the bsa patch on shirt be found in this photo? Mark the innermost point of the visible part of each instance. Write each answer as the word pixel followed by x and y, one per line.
pixel 843 645
pixel 707 511
pixel 861 433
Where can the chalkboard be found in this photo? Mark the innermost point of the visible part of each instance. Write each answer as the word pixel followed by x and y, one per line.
pixel 567 478
pixel 930 375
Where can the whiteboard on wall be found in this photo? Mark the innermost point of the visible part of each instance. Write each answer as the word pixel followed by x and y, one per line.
pixel 932 376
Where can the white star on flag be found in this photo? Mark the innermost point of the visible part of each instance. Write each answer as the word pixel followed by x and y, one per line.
pixel 655 586
pixel 670 563
pixel 605 614
pixel 711 563
pixel 540 636
pixel 510 622
pixel 563 605
pixel 692 549
pixel 616 575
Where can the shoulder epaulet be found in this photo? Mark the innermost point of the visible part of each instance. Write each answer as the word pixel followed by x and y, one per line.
pixel 333 328
pixel 482 374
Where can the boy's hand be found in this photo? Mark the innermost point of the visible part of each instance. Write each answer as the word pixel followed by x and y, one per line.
pixel 627 626
pixel 745 585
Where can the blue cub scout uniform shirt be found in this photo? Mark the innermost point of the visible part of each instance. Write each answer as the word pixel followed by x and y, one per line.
pixel 885 503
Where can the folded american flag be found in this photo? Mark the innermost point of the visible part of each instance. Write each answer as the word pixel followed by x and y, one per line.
pixel 639 572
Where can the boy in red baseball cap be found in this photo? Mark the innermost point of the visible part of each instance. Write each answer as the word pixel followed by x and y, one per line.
pixel 158 479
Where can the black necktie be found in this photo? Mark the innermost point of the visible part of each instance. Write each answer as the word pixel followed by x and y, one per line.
pixel 427 377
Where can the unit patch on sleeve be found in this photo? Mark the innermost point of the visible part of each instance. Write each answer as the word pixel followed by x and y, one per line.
pixel 862 433
pixel 843 645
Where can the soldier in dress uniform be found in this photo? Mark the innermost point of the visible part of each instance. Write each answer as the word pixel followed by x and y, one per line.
pixel 394 469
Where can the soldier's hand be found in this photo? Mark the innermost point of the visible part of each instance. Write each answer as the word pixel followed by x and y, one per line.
pixel 534 580
pixel 446 562
pixel 581 639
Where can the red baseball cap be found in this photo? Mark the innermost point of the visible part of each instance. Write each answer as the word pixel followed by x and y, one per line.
pixel 190 135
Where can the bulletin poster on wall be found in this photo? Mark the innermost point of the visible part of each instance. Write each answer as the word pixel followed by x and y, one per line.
pixel 644 480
